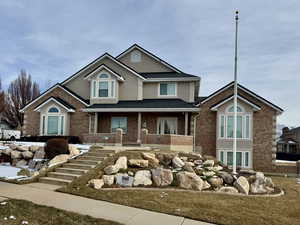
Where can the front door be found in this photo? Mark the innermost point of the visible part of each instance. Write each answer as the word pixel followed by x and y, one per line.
pixel 167 125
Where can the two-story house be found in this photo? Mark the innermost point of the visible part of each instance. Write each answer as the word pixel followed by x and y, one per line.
pixel 138 98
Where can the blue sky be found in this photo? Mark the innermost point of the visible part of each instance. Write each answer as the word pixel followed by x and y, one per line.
pixel 54 39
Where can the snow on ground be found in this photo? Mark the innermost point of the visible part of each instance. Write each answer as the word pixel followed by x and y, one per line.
pixel 8 171
pixel 285 161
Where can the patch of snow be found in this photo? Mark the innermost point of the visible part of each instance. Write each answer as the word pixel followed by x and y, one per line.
pixel 285 161
pixel 3 147
pixel 8 171
pixel 82 146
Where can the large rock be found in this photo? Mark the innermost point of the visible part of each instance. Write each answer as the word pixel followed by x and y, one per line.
pixel 216 182
pixel 142 177
pixel 111 169
pixel 191 155
pixel 177 162
pixel 23 148
pixel 230 190
pixel 13 146
pixel 21 163
pixel 59 159
pixel 39 154
pixel 34 148
pixel 121 163
pixel 141 163
pixel 7 151
pixel 206 185
pixel 124 180
pixel 209 163
pixel 162 177
pixel 189 180
pixel 188 167
pixel 227 177
pixel 261 184
pixel 73 150
pixel 16 155
pixel 153 161
pixel 215 168
pixel 27 155
pixel 108 179
pixel 96 183
pixel 242 185
pixel 208 173
pixel 165 158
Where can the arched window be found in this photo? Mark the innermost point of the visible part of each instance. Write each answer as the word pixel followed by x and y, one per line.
pixel 239 109
pixel 53 110
pixel 103 76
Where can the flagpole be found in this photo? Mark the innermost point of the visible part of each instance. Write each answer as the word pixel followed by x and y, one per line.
pixel 235 94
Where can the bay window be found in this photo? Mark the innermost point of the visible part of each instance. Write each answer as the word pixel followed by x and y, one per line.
pixel 242 158
pixel 103 86
pixel 226 124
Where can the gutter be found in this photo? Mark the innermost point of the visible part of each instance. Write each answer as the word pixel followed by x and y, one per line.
pixel 194 135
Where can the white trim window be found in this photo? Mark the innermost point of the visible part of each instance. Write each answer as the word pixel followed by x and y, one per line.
pixel 103 86
pixel 226 124
pixel 53 122
pixel 167 125
pixel 135 56
pixel 118 122
pixel 243 158
pixel 166 89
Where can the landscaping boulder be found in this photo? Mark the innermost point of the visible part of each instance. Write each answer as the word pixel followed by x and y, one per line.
pixel 165 158
pixel 139 163
pixel 188 180
pixel 108 179
pixel 242 185
pixel 231 190
pixel 188 167
pixel 59 159
pixel 209 163
pixel 177 162
pixel 208 173
pixel 198 162
pixel 162 177
pixel 16 155
pixel 216 182
pixel 121 163
pixel 96 183
pixel 12 146
pixel 153 161
pixel 21 163
pixel 261 184
pixel 215 168
pixel 124 180
pixel 34 148
pixel 142 177
pixel 7 151
pixel 191 155
pixel 23 148
pixel 227 177
pixel 111 169
pixel 27 155
pixel 206 185
pixel 39 154
pixel 73 150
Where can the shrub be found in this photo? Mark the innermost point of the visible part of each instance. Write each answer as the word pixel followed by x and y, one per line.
pixel 56 146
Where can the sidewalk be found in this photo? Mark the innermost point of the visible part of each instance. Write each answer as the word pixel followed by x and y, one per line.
pixel 94 208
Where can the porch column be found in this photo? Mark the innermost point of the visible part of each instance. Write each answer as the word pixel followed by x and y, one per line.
pixel 186 121
pixel 96 123
pixel 139 127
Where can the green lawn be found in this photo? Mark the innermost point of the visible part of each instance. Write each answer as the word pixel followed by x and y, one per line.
pixel 209 207
pixel 42 215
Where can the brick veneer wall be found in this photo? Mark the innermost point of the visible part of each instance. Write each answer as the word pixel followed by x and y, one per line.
pixel 79 121
pixel 263 130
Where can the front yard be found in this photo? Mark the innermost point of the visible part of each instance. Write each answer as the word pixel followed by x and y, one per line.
pixel 16 212
pixel 204 206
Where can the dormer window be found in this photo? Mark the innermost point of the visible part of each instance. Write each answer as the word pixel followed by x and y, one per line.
pixel 135 56
pixel 103 86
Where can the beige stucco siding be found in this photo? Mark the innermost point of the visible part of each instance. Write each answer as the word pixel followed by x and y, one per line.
pixel 151 90
pixel 128 90
pixel 147 64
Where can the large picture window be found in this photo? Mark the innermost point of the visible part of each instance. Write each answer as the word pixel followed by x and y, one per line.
pixel 119 122
pixel 242 158
pixel 53 122
pixel 226 124
pixel 103 87
pixel 168 89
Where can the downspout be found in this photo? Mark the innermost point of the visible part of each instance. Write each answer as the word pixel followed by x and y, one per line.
pixel 194 134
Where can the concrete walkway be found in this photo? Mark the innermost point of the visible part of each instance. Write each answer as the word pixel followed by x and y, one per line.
pixel 97 209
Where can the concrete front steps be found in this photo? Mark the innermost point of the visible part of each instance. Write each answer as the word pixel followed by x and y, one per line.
pixel 77 167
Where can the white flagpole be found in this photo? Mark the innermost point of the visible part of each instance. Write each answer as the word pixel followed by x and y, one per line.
pixel 235 95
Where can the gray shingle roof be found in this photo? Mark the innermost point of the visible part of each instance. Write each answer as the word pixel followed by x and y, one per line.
pixel 147 103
